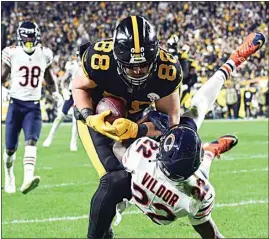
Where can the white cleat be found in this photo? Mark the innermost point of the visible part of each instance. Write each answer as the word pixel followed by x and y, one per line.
pixel 47 143
pixel 10 184
pixel 30 184
pixel 73 147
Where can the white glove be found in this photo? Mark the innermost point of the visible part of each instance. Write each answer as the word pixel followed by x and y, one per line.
pixel 58 98
pixel 66 94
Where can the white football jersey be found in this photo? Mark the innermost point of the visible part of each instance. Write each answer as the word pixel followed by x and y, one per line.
pixel 71 67
pixel 160 198
pixel 27 71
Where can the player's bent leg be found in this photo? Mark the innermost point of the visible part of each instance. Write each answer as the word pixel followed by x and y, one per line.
pixel 13 128
pixel 9 158
pixel 32 127
pixel 114 180
pixel 114 186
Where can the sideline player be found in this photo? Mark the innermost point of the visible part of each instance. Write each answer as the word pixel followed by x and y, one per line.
pixel 134 68
pixel 70 69
pixel 28 64
pixel 170 178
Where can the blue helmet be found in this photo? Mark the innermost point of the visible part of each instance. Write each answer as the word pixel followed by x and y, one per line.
pixel 180 152
pixel 28 36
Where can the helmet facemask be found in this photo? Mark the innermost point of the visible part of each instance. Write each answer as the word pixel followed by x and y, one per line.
pixel 28 35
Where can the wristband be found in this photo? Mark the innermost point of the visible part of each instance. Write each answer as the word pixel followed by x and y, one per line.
pixel 85 112
pixel 142 131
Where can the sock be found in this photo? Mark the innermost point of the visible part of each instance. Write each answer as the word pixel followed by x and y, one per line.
pixel 206 163
pixel 228 68
pixel 74 131
pixel 55 125
pixel 9 163
pixel 29 162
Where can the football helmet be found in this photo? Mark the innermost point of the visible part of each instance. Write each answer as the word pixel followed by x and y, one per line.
pixel 28 36
pixel 135 46
pixel 172 44
pixel 180 152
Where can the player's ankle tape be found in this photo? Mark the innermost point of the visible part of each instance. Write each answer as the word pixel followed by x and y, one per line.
pixel 142 131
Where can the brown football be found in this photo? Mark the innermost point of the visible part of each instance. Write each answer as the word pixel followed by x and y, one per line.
pixel 116 105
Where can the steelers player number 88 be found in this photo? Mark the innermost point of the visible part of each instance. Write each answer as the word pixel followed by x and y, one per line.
pixel 98 61
pixel 167 72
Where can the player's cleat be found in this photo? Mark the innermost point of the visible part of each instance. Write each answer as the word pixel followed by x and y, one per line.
pixel 221 145
pixel 251 43
pixel 30 184
pixel 47 142
pixel 73 147
pixel 10 184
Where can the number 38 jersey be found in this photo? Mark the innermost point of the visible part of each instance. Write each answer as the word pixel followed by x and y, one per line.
pixel 100 67
pixel 27 71
pixel 161 199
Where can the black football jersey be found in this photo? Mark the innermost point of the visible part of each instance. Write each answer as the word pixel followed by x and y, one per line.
pixel 100 66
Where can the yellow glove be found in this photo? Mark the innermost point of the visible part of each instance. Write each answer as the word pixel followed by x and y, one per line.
pixel 97 122
pixel 123 128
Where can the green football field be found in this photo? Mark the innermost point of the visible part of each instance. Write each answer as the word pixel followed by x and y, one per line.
pixel 59 207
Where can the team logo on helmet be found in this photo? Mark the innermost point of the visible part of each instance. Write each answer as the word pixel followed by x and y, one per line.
pixel 169 142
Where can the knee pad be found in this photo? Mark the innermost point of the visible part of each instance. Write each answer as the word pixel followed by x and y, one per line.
pixel 30 142
pixel 10 152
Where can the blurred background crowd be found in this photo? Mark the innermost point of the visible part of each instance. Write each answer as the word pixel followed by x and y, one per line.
pixel 205 34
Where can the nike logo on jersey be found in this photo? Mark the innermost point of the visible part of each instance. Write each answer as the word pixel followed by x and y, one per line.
pixel 36 102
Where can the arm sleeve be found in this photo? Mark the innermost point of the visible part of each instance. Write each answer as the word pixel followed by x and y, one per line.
pixel 6 56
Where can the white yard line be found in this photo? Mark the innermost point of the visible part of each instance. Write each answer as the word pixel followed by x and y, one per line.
pixel 73 218
pixel 96 182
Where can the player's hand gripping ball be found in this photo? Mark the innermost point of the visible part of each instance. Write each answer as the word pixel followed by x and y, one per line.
pixel 115 105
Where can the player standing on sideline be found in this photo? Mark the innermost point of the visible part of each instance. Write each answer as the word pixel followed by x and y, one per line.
pixel 28 64
pixel 170 179
pixel 71 67
pixel 134 68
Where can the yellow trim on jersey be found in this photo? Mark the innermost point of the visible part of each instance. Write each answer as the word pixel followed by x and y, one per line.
pixel 136 35
pixel 82 61
pixel 86 140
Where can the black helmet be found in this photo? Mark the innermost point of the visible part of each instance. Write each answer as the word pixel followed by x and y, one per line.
pixel 28 35
pixel 180 152
pixel 135 45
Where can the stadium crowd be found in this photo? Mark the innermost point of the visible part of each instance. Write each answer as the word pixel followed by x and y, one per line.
pixel 210 29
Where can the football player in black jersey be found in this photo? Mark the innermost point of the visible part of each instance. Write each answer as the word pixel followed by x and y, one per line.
pixel 134 68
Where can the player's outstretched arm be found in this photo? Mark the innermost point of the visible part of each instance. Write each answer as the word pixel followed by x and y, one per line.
pixel 208 230
pixel 5 72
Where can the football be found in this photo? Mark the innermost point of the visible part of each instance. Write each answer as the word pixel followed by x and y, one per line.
pixel 116 105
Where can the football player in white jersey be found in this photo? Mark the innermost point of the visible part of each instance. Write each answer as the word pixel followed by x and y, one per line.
pixel 70 69
pixel 170 179
pixel 28 64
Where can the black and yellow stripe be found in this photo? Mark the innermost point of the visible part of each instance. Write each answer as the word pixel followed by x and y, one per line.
pixel 87 142
pixel 136 35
